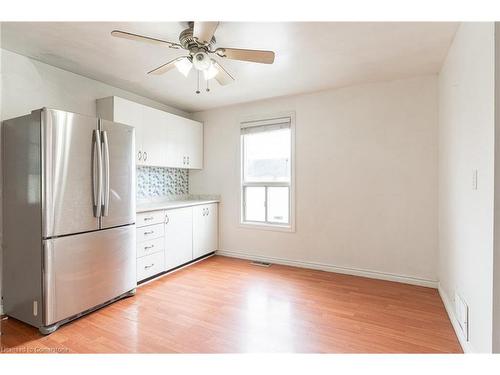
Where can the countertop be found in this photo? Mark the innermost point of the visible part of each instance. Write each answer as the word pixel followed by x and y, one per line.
pixel 167 205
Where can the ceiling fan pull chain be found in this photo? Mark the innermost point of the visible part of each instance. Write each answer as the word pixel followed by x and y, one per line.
pixel 208 88
pixel 198 82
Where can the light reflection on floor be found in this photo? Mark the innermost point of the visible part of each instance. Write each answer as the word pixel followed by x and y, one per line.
pixel 268 321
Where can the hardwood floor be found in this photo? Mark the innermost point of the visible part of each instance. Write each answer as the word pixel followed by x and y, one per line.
pixel 227 305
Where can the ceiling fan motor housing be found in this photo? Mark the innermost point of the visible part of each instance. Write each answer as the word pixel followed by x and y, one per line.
pixel 188 41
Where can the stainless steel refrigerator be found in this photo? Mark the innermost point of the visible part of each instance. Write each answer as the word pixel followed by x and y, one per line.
pixel 68 216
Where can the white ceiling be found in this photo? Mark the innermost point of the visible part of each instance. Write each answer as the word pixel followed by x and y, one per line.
pixel 310 56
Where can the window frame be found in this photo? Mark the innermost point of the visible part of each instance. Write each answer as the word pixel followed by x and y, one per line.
pixel 268 225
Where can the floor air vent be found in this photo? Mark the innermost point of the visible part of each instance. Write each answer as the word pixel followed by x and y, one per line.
pixel 261 264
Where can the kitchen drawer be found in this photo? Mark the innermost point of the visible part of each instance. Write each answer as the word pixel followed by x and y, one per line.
pixel 150 247
pixel 150 232
pixel 150 218
pixel 150 265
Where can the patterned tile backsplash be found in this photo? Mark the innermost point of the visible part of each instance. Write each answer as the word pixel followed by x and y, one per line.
pixel 158 182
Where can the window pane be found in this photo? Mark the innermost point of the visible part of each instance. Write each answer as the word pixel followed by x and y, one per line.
pixel 255 200
pixel 278 204
pixel 267 156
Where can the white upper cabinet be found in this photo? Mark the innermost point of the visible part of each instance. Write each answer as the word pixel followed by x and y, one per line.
pixel 193 143
pixel 120 110
pixel 184 142
pixel 153 142
pixel 162 139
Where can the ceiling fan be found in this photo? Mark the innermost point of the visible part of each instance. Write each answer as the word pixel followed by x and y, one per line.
pixel 199 40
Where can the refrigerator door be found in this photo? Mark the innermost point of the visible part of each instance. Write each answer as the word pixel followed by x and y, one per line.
pixel 118 149
pixel 86 270
pixel 70 173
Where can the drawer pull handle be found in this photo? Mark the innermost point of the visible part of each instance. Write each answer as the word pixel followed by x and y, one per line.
pixel 149 232
pixel 148 218
pixel 149 266
pixel 148 247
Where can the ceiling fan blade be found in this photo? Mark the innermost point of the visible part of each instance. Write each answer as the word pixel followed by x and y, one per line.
pixel 263 57
pixel 166 67
pixel 141 38
pixel 222 77
pixel 204 31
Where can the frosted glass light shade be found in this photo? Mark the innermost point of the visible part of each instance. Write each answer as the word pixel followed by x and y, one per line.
pixel 184 66
pixel 211 72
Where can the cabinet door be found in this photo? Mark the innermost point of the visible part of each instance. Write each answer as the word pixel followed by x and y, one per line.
pixel 205 229
pixel 188 135
pixel 130 113
pixel 172 134
pixel 178 237
pixel 154 139
pixel 194 144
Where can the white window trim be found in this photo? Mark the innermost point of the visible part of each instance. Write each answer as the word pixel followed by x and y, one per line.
pixel 269 226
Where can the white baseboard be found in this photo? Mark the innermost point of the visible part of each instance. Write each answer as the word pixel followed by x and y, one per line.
pixel 466 345
pixel 332 268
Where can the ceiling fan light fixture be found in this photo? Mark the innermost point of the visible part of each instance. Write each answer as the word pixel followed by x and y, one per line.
pixel 211 72
pixel 199 41
pixel 201 61
pixel 184 66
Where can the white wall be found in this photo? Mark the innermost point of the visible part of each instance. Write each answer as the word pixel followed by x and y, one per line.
pixel 366 175
pixel 466 143
pixel 496 243
pixel 28 84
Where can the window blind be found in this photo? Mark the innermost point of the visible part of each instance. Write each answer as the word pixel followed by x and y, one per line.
pixel 260 126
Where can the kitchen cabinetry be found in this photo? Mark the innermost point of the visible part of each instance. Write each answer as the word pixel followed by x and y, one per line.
pixel 150 244
pixel 204 229
pixel 153 144
pixel 162 139
pixel 172 237
pixel 191 141
pixel 178 236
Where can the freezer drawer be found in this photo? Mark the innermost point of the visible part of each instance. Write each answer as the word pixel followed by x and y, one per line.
pixel 86 270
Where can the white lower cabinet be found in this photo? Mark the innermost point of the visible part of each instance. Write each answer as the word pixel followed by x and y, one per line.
pixel 205 221
pixel 150 232
pixel 150 265
pixel 178 237
pixel 150 218
pixel 150 247
pixel 183 235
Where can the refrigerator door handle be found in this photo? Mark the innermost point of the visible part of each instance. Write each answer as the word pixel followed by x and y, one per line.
pixel 97 172
pixel 105 205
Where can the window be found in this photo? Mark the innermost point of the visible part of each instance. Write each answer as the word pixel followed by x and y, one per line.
pixel 266 172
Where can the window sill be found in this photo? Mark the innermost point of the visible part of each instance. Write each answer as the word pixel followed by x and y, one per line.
pixel 270 227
